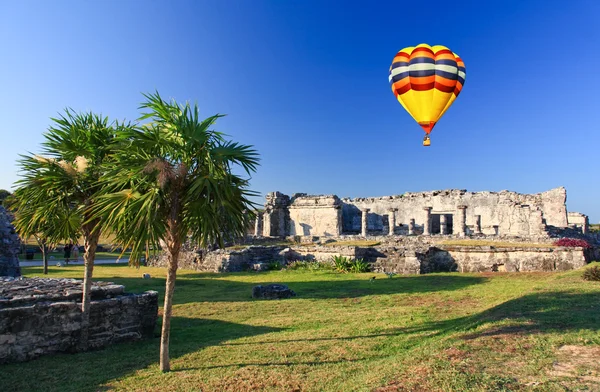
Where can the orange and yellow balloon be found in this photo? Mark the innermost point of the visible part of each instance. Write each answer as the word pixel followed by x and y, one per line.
pixel 426 80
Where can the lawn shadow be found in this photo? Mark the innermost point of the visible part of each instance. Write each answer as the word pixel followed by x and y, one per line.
pixel 204 287
pixel 93 370
pixel 530 314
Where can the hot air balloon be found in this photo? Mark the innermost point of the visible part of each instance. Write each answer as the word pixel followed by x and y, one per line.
pixel 426 80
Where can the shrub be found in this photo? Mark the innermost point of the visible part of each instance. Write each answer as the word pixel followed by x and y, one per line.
pixel 592 273
pixel 309 266
pixel 341 263
pixel 572 242
pixel 274 266
pixel 344 264
pixel 359 265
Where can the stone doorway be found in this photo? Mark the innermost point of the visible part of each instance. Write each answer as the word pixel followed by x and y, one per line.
pixel 435 223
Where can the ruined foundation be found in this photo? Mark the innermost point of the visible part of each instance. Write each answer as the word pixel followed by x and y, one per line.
pixel 43 316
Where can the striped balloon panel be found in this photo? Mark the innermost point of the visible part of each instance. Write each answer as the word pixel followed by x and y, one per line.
pixel 426 80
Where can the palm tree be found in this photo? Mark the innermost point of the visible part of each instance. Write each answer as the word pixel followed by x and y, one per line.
pixel 171 181
pixel 65 179
pixel 48 224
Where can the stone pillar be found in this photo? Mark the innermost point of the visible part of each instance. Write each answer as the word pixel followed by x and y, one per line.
pixel 461 221
pixel 585 228
pixel 392 220
pixel 267 223
pixel 411 226
pixel 443 224
pixel 477 225
pixel 427 221
pixel 364 222
pixel 258 225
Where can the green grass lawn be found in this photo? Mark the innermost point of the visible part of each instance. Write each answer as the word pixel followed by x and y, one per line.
pixel 437 332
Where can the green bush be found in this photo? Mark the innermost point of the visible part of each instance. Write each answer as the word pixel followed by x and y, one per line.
pixel 344 264
pixel 341 263
pixel 274 266
pixel 359 265
pixel 592 273
pixel 309 266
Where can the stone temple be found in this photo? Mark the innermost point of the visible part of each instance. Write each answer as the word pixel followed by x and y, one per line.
pixel 448 212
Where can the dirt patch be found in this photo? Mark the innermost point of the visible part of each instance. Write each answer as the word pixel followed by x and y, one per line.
pixel 252 378
pixel 415 380
pixel 580 362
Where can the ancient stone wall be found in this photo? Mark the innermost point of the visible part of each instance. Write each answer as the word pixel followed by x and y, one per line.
pixel 9 246
pixel 447 212
pixel 507 213
pixel 43 316
pixel 315 215
pixel 225 260
pixel 579 220
pixel 482 259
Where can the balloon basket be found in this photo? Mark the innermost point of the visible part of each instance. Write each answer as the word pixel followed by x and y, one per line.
pixel 426 141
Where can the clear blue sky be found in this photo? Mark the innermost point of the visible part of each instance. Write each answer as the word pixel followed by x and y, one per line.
pixel 306 82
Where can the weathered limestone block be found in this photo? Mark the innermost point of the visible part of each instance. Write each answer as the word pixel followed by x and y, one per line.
pixel 41 316
pixel 579 220
pixel 272 291
pixel 485 258
pixel 315 215
pixel 9 246
pixel 276 215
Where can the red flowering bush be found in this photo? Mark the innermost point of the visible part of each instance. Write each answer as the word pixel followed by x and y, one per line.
pixel 572 242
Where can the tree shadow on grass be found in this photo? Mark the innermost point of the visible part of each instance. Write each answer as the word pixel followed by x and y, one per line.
pixel 93 370
pixel 217 288
pixel 546 312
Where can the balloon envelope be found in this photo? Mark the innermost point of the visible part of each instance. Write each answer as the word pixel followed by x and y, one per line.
pixel 426 80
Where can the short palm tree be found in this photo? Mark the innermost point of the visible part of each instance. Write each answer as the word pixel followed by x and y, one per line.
pixel 49 224
pixel 171 181
pixel 64 180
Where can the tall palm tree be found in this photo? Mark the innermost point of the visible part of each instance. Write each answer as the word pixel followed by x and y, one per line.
pixel 65 179
pixel 173 180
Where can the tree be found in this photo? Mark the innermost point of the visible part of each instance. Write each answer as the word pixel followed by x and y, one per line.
pixel 66 179
pixel 3 195
pixel 47 223
pixel 171 180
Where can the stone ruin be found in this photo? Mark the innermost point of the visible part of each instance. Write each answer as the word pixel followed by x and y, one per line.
pixel 10 246
pixel 450 212
pixel 409 230
pixel 40 316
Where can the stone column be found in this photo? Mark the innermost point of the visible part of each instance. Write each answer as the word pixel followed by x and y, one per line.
pixel 461 221
pixel 258 225
pixel 477 225
pixel 267 223
pixel 443 224
pixel 411 226
pixel 585 228
pixel 392 220
pixel 427 221
pixel 364 221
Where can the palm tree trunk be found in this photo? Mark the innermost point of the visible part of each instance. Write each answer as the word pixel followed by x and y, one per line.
pixel 45 258
pixel 90 242
pixel 165 364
